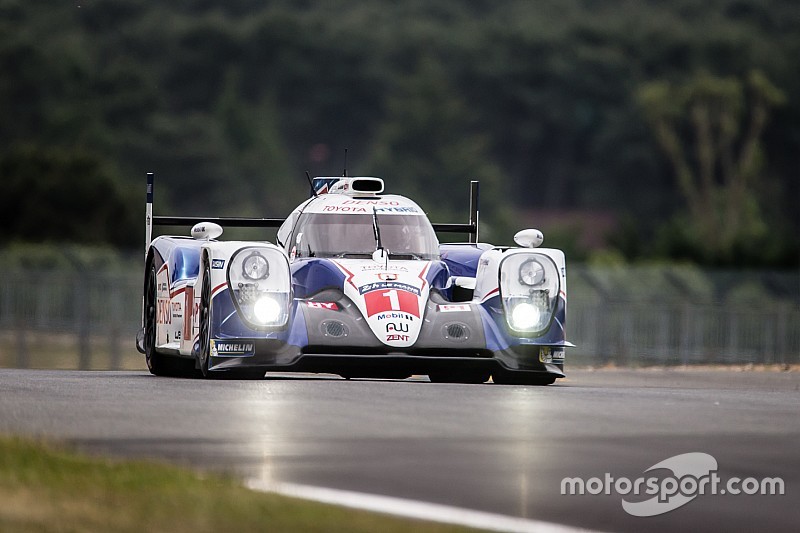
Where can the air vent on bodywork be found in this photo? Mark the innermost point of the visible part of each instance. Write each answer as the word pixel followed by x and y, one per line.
pixel 456 331
pixel 368 185
pixel 334 328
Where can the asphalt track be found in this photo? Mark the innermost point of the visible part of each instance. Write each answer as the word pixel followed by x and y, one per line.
pixel 488 448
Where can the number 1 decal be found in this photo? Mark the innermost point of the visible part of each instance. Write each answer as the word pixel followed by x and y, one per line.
pixel 391 300
pixel 394 301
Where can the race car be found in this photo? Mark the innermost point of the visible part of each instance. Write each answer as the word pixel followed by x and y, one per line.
pixel 357 284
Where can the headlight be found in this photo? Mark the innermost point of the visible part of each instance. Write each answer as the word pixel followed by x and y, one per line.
pixel 531 272
pixel 255 266
pixel 529 288
pixel 267 310
pixel 260 283
pixel 525 316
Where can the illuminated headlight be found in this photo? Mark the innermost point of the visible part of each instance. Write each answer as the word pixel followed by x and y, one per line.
pixel 255 266
pixel 525 316
pixel 529 288
pixel 531 273
pixel 260 283
pixel 267 310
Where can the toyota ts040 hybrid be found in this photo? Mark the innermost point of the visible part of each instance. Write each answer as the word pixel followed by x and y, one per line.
pixel 356 284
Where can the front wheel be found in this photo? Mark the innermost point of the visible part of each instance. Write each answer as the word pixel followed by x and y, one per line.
pixel 204 351
pixel 159 364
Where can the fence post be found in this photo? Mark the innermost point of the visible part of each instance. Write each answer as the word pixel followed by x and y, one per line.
pixel 114 330
pixel 782 345
pixel 81 290
pixel 22 360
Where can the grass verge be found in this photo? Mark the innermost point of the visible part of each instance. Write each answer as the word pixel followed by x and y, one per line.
pixel 47 488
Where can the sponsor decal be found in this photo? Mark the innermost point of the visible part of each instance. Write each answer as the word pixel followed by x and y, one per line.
pixel 217 264
pixel 396 268
pixel 383 300
pixel 545 355
pixel 451 308
pixel 393 316
pixel 331 306
pixel 164 313
pixel 387 276
pixel 189 305
pixel 371 202
pixel 231 348
pixel 362 209
pixel 369 287
pixel 395 337
pixel 396 210
pixel 548 354
pixel 343 209
pixel 397 326
pixel 177 312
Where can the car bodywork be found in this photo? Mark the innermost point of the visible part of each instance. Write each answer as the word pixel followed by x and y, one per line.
pixel 356 284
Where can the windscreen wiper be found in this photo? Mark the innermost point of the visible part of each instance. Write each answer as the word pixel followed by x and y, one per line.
pixel 376 229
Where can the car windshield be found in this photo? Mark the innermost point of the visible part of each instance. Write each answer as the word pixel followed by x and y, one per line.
pixel 336 235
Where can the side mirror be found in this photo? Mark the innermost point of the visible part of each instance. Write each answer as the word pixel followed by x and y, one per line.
pixel 529 238
pixel 465 282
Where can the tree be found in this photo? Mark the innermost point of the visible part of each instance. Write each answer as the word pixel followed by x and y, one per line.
pixel 710 130
pixel 51 194
pixel 428 147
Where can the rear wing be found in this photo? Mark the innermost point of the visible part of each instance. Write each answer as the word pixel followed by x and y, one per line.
pixel 151 220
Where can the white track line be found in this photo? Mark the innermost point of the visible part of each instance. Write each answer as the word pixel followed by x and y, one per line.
pixel 411 508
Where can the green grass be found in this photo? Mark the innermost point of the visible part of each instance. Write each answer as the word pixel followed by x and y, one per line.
pixel 47 488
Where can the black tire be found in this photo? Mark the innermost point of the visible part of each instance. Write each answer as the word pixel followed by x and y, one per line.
pixel 510 377
pixel 464 376
pixel 204 351
pixel 159 364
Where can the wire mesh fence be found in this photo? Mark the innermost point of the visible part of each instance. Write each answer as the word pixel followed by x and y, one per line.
pixel 632 316
pixel 70 319
pixel 674 315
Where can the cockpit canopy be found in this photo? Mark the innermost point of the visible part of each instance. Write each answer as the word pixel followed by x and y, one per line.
pixel 352 235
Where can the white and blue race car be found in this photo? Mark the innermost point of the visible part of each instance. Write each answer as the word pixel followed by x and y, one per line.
pixel 356 284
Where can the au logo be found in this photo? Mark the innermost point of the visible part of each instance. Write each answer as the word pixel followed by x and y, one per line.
pixel 387 276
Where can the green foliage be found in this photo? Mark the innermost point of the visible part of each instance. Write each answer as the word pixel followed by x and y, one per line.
pixel 431 147
pixel 45 488
pixel 710 129
pixel 57 195
pixel 228 103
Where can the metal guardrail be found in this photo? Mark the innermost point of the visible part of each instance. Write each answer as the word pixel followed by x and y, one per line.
pixel 625 316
